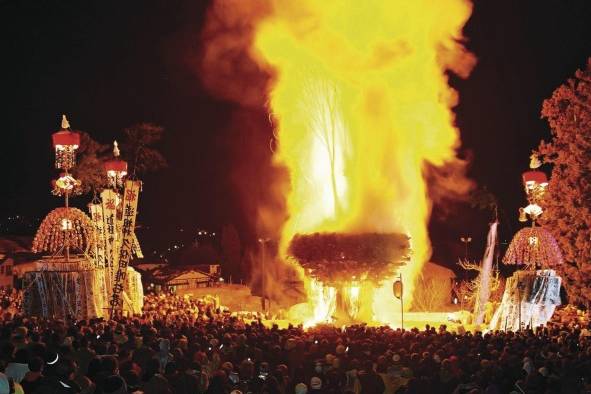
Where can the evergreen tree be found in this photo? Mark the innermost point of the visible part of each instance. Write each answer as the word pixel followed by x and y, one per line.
pixel 568 203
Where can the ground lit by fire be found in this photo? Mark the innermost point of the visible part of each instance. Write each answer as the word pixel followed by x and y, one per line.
pixel 361 109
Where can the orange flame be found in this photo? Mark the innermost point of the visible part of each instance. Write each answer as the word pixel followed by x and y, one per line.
pixel 362 101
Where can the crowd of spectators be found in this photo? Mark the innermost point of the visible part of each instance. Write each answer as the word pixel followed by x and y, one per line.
pixel 180 345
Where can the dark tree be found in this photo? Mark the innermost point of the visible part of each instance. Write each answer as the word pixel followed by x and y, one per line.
pixel 90 167
pixel 138 148
pixel 568 204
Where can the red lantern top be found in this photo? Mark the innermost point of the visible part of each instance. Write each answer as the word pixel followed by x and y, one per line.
pixel 538 177
pixel 116 165
pixel 66 138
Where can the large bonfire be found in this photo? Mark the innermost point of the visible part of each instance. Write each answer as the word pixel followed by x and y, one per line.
pixel 363 105
pixel 343 269
pixel 360 99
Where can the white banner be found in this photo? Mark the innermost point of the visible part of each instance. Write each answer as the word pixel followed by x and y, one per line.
pixel 96 213
pixel 129 214
pixel 109 199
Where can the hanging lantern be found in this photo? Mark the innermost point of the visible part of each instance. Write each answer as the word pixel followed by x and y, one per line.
pixel 116 168
pixel 535 183
pixel 533 179
pixel 65 143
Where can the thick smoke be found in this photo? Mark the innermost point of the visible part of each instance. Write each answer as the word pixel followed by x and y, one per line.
pixel 227 70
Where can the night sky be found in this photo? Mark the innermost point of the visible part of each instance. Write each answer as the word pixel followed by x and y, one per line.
pixel 110 64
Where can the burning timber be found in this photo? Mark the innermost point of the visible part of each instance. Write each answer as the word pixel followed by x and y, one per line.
pixel 348 267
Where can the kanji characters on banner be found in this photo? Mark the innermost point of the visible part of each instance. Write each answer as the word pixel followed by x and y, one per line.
pixel 129 213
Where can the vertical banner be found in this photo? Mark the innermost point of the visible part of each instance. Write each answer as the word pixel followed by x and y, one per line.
pixel 129 213
pixel 137 250
pixel 109 199
pixel 96 214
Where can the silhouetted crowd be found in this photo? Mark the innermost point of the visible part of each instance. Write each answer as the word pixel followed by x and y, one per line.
pixel 191 346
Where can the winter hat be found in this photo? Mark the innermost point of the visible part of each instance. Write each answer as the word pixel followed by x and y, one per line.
pixel 316 383
pixel 301 388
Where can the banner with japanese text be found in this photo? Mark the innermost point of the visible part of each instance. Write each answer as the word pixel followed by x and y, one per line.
pixel 96 214
pixel 109 199
pixel 129 214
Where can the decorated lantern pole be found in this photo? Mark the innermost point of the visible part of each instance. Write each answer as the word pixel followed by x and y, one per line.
pixel 66 143
pixel 533 246
pixel 116 171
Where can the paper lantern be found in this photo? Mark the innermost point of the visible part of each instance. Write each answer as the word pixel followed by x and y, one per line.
pixel 116 168
pixel 532 179
pixel 65 143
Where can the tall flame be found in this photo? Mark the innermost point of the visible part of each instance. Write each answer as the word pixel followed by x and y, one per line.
pixel 363 104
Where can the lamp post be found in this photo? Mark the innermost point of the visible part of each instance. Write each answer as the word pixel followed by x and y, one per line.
pixel 466 240
pixel 263 242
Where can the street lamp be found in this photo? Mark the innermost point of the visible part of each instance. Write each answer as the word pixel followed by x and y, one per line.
pixel 466 240
pixel 263 242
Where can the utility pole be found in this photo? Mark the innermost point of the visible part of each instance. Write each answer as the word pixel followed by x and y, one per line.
pixel 263 242
pixel 398 289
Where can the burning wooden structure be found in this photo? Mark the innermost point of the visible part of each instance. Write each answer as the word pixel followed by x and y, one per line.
pixel 346 268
